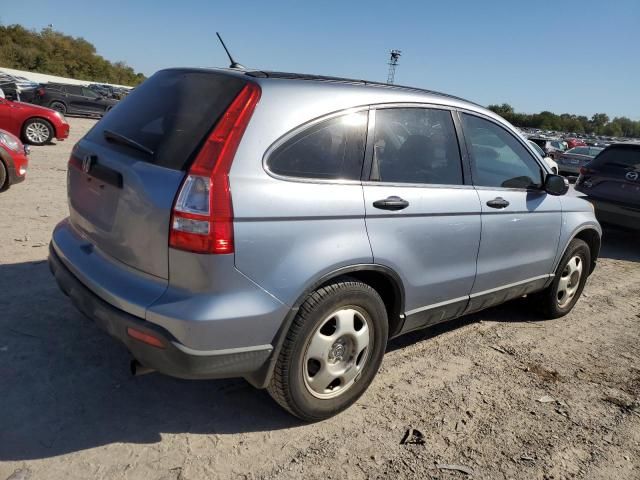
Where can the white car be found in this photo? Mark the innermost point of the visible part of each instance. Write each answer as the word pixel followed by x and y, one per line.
pixel 548 160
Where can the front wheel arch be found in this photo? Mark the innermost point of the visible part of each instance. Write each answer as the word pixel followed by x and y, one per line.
pixel 590 235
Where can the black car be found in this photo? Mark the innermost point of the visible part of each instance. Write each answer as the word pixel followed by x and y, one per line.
pixel 612 183
pixel 73 99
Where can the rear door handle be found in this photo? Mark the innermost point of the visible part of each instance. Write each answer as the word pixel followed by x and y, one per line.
pixel 391 203
pixel 498 202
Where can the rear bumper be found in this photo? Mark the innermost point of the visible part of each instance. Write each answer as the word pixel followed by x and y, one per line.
pixel 616 214
pixel 175 359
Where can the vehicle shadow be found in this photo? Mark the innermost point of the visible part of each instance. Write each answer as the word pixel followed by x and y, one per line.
pixel 620 244
pixel 65 385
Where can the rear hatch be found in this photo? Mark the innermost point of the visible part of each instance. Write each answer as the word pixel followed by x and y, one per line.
pixel 615 175
pixel 124 174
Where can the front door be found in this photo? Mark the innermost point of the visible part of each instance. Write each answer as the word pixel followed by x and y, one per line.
pixel 422 219
pixel 520 222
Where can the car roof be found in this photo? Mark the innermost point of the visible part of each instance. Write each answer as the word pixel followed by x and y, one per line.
pixel 348 81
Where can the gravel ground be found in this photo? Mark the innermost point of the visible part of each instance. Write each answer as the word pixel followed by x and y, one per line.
pixel 495 395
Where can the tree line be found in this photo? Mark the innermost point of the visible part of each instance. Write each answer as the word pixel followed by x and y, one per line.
pixel 55 53
pixel 598 124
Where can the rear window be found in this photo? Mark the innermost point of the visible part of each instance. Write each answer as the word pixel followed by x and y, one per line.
pixel 170 114
pixel 621 157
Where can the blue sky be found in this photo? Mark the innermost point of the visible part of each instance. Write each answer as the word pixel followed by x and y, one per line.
pixel 564 55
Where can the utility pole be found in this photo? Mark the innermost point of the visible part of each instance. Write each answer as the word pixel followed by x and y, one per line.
pixel 393 63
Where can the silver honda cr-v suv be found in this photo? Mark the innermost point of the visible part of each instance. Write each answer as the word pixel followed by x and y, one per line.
pixel 282 227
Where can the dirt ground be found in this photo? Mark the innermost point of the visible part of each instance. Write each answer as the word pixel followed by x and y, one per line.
pixel 496 395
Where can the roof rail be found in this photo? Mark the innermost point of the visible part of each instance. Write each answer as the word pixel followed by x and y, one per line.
pixel 324 78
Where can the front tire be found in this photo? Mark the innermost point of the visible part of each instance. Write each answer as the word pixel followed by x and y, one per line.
pixel 4 177
pixel 332 351
pixel 37 131
pixel 559 298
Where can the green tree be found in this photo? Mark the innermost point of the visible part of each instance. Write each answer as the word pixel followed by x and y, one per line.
pixel 55 53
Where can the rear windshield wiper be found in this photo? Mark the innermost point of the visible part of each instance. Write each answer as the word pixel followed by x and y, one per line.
pixel 122 140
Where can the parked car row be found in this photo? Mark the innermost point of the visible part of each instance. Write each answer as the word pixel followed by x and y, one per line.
pixel 92 99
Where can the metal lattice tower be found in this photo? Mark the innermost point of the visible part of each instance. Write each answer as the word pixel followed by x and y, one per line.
pixel 393 63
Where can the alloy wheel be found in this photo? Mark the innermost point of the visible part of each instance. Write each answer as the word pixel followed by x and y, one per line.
pixel 37 132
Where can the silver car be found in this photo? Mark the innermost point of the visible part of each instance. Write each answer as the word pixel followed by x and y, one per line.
pixel 282 227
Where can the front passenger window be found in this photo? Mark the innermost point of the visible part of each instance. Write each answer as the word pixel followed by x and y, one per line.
pixel 498 158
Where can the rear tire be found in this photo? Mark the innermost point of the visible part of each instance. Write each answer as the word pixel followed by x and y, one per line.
pixel 59 107
pixel 332 351
pixel 37 131
pixel 559 298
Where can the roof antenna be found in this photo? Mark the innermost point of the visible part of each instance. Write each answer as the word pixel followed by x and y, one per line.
pixel 234 64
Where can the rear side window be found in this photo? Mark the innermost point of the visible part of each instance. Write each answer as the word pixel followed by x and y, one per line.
pixel 618 157
pixel 416 145
pixel 331 150
pixel 73 90
pixel 170 114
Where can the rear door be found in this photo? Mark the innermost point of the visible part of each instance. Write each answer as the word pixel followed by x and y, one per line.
pixel 124 174
pixel 520 221
pixel 75 99
pixel 422 218
pixel 615 175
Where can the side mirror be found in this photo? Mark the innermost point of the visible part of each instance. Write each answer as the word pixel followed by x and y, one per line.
pixel 556 184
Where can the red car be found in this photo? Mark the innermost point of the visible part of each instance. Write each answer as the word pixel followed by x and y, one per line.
pixel 32 123
pixel 574 142
pixel 13 160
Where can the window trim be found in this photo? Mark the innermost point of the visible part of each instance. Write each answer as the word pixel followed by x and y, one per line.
pixel 544 169
pixel 304 126
pixel 368 161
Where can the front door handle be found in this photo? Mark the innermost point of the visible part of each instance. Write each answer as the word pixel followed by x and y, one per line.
pixel 498 202
pixel 391 203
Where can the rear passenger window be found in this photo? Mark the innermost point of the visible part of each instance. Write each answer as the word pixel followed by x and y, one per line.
pixel 416 145
pixel 330 150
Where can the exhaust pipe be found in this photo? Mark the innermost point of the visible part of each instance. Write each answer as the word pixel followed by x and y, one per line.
pixel 138 369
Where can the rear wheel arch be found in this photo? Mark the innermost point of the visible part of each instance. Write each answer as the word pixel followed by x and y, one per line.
pixel 385 281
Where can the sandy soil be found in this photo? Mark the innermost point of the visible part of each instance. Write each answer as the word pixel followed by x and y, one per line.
pixel 499 394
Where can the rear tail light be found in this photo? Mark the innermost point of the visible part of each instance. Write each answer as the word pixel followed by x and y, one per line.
pixel 202 217
pixel 586 171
